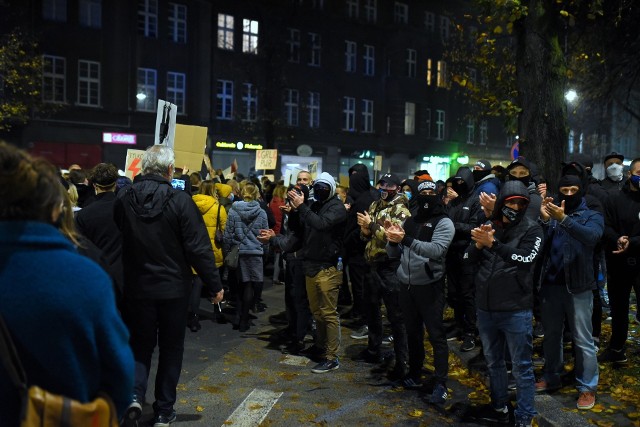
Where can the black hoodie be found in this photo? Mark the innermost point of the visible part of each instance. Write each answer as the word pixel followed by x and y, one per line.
pixel 464 211
pixel 363 195
pixel 163 235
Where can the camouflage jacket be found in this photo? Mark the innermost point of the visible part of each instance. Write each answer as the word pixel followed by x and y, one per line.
pixel 395 211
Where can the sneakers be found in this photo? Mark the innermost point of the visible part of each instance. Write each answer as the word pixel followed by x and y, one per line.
pixel 440 394
pixel 586 400
pixel 489 414
pixel 312 352
pixel 368 357
pixel 454 334
pixel 387 340
pixel 612 356
pixel 326 366
pixel 164 420
pixel 543 385
pixel 538 330
pixel 194 322
pixel 361 334
pixel 133 412
pixel 522 423
pixel 411 383
pixel 468 343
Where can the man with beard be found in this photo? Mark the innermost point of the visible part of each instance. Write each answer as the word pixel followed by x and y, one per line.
pixel 503 254
pixel 463 209
pixel 390 209
pixel 423 241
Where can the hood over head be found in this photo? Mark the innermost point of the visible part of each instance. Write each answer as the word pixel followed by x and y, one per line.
pixel 510 189
pixel 326 178
pixel 358 168
pixel 578 170
pixel 223 190
pixel 464 174
pixel 358 183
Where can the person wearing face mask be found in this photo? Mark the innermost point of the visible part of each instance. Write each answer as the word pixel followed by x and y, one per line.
pixel 422 243
pixel 390 209
pixel 622 249
pixel 613 167
pixel 410 189
pixel 522 170
pixel 485 180
pixel 503 253
pixel 567 282
pixel 464 210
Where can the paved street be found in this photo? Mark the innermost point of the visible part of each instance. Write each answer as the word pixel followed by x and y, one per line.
pixel 238 379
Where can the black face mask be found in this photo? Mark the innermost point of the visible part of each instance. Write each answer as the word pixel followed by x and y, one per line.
pixel 526 180
pixel 479 175
pixel 571 203
pixel 511 214
pixel 388 195
pixel 321 193
pixel 461 189
pixel 427 205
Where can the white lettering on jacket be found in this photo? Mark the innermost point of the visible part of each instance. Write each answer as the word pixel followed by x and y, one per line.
pixel 530 257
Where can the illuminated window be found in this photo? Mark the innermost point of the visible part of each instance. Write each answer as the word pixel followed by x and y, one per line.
pixel 147 86
pixel 225 31
pixel 409 118
pixel 442 74
pixel 250 36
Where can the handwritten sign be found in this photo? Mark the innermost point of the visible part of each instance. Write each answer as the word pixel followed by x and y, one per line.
pixel 133 164
pixel 266 159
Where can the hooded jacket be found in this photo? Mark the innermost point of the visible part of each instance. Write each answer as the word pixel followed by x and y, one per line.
pixel 224 191
pixel 163 235
pixel 503 278
pixel 208 207
pixel 396 212
pixel 244 223
pixel 413 204
pixel 622 218
pixel 363 195
pixel 463 211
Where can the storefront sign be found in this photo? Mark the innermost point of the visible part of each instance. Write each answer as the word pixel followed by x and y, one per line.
pixel 238 145
pixel 119 138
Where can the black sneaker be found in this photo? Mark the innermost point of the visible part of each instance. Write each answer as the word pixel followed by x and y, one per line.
pixel 612 356
pixel 487 413
pixel 368 357
pixel 454 334
pixel 326 366
pixel 538 330
pixel 468 343
pixel 164 420
pixel 312 352
pixel 133 412
pixel 440 394
pixel 412 383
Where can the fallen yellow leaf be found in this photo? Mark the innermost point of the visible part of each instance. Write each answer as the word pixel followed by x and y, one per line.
pixel 415 413
pixel 199 408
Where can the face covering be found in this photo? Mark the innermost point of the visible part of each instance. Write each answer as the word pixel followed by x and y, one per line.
pixel 461 189
pixel 511 214
pixel 321 193
pixel 427 204
pixel 572 202
pixel 479 175
pixel 408 194
pixel 526 180
pixel 388 195
pixel 635 181
pixel 614 172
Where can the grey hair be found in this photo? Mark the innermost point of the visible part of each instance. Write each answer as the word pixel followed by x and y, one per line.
pixel 157 159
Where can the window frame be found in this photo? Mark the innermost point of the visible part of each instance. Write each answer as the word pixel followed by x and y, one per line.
pixel 292 107
pixel 293 42
pixel 90 13
pixel 369 58
pixel 249 102
pixel 315 46
pixel 349 114
pixel 412 59
pixel 148 18
pixel 149 103
pixel 225 33
pixel 441 122
pixel 90 83
pixel 250 39
pixel 224 99
pixel 177 23
pixel 400 13
pixel 371 11
pixel 350 56
pixel 54 10
pixel 177 94
pixel 409 118
pixel 313 107
pixel 56 78
pixel 367 116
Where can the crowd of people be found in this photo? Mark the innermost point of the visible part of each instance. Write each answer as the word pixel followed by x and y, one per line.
pixel 513 259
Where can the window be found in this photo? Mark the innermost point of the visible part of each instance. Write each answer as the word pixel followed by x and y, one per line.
pixel 291 102
pixel 90 13
pixel 430 21
pixel 177 23
pixel 250 36
pixel 400 13
pixel 440 122
pixel 350 56
pixel 316 47
pixel 224 99
pixel 442 74
pixel 371 11
pixel 427 120
pixel 148 18
pixel 369 60
pixel 411 63
pixel 471 128
pixel 409 118
pixel 353 8
pixel 53 78
pixel 484 132
pixel 445 24
pixel 54 10
pixel 176 90
pixel 89 83
pixel 367 116
pixel 146 93
pixel 293 44
pixel 225 31
pixel 349 114
pixel 314 109
pixel 429 73
pixel 249 102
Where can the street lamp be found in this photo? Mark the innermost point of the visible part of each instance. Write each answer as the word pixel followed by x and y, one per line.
pixel 141 96
pixel 571 95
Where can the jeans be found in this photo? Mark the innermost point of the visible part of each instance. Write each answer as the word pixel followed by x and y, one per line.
pixel 423 306
pixel 621 280
pixel 322 291
pixel 500 330
pixel 161 322
pixel 385 285
pixel 556 305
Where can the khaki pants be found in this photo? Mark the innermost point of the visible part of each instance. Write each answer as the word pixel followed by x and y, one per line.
pixel 322 291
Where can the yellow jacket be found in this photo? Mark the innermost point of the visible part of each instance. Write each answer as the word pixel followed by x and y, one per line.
pixel 208 207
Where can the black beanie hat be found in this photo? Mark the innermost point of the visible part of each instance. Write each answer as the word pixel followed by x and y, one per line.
pixel 570 181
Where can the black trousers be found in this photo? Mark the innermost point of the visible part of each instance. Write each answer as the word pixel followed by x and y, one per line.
pixel 461 294
pixel 298 312
pixel 385 286
pixel 423 306
pixel 159 322
pixel 619 285
pixel 360 277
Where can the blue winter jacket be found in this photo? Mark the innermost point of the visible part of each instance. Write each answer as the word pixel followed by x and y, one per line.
pixel 581 230
pixel 237 231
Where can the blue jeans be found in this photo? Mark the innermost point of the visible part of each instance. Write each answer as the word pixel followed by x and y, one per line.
pixel 500 330
pixel 556 304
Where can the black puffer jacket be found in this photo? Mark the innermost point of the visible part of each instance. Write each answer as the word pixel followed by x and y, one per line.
pixel 163 235
pixel 464 211
pixel 363 195
pixel 504 279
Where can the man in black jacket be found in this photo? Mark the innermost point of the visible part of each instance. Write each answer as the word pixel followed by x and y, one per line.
pixel 503 253
pixel 323 223
pixel 163 235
